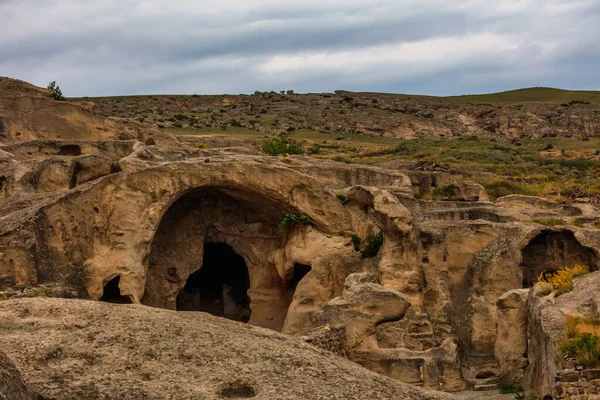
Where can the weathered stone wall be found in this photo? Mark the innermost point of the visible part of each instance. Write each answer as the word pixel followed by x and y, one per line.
pixel 574 385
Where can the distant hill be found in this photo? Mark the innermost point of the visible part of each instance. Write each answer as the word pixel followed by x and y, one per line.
pixel 523 113
pixel 536 94
pixel 526 95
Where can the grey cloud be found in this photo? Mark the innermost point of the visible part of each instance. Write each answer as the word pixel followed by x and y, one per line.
pixel 122 51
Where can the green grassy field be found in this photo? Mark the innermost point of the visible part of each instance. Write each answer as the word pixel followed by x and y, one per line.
pixel 540 95
pixel 302 134
pixel 230 131
pixel 519 96
pixel 571 166
pixel 314 136
pixel 525 167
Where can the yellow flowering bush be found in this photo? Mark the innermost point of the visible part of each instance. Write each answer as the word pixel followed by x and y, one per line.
pixel 562 279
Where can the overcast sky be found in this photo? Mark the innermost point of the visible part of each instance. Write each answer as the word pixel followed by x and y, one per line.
pixel 439 47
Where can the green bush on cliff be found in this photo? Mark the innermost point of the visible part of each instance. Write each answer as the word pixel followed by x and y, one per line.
pixel 374 243
pixel 288 220
pixel 282 145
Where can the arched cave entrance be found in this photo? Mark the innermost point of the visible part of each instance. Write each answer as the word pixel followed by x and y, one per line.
pixel 220 287
pixel 299 272
pixel 112 293
pixel 552 250
pixel 214 237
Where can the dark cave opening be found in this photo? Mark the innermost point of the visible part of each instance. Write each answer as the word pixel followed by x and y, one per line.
pixel 220 286
pixel 69 150
pixel 550 251
pixel 299 272
pixel 112 293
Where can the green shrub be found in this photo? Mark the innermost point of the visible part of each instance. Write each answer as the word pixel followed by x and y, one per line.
pixel 56 92
pixel 585 347
pixel 450 190
pixel 316 149
pixel 341 197
pixel 500 188
pixel 522 395
pixel 374 243
pixel 509 389
pixel 235 123
pixel 343 159
pixel 290 219
pixel 356 241
pixel 578 163
pixel 406 148
pixel 550 221
pixel 549 146
pixel 40 291
pixel 282 145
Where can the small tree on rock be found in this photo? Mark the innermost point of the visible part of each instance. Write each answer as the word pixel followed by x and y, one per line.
pixel 56 92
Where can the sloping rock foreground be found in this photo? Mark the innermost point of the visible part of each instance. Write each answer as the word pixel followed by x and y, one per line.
pixel 76 349
pixel 11 384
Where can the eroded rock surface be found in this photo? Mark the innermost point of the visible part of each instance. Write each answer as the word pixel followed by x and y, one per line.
pixel 74 349
pixel 12 386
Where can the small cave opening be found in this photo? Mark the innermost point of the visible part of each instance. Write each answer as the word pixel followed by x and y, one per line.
pixel 552 250
pixel 220 286
pixel 115 168
pixel 299 272
pixel 69 150
pixel 485 375
pixel 112 293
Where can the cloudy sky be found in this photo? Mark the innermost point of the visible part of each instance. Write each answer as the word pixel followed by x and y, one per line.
pixel 438 47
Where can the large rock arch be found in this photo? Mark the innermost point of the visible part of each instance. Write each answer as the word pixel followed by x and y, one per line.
pixel 244 221
pixel 107 229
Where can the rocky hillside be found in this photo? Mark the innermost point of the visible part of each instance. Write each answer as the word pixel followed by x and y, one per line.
pixel 29 113
pixel 530 113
